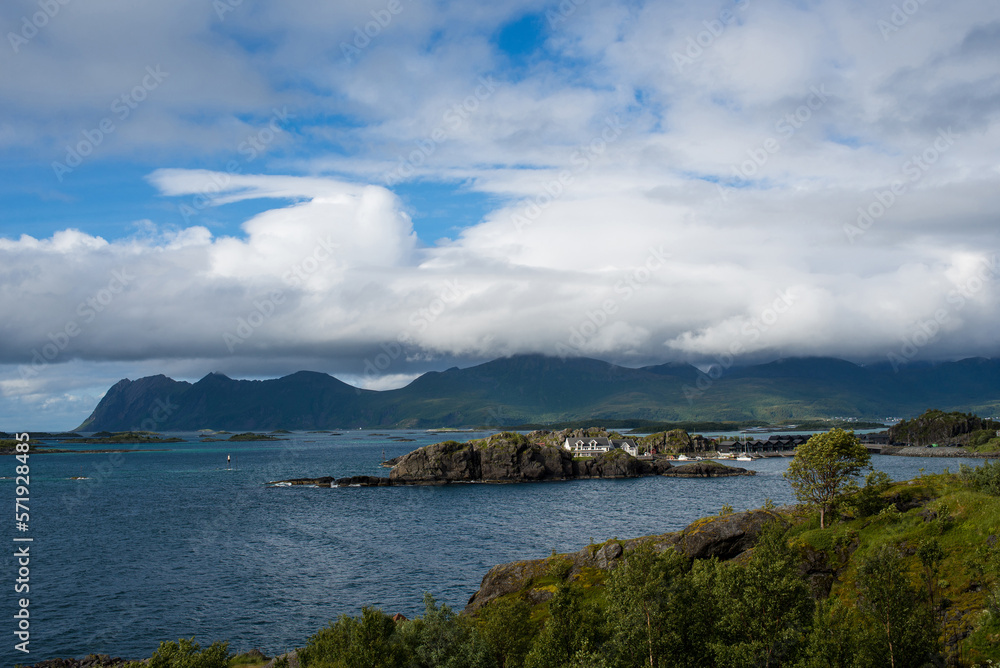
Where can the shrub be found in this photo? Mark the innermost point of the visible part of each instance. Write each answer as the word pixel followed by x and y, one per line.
pixel 188 654
pixel 984 478
pixel 869 500
pixel 367 641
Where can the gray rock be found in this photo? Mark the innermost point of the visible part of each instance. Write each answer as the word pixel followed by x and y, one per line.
pixel 724 537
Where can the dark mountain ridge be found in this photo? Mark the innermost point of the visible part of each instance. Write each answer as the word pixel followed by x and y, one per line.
pixel 538 389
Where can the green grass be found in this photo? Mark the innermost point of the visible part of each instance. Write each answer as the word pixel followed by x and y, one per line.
pixel 964 520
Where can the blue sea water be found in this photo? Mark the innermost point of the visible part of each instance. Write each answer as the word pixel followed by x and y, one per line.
pixel 159 545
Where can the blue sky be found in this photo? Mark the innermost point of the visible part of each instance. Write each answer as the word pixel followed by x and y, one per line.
pixel 634 181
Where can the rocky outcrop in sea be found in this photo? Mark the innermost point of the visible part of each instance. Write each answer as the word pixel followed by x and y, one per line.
pixel 509 457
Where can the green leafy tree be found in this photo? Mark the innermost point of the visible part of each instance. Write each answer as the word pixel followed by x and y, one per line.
pixel 657 613
pixel 899 621
pixel 575 626
pixel 767 606
pixel 368 641
pixel 441 639
pixel 835 637
pixel 188 654
pixel 825 467
pixel 506 626
pixel 638 606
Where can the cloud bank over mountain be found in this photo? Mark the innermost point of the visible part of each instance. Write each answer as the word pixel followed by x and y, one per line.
pixel 658 181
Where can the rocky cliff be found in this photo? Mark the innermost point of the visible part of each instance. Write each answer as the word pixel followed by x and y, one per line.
pixel 511 457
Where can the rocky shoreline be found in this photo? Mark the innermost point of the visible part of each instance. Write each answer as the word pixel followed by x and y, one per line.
pixel 106 661
pixel 923 451
pixel 706 469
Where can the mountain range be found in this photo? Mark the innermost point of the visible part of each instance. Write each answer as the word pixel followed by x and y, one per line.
pixel 538 389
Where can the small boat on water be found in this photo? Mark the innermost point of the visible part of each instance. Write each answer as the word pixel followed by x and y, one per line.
pixel 744 458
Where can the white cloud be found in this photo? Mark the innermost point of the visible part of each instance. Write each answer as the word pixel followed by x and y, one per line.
pixel 666 206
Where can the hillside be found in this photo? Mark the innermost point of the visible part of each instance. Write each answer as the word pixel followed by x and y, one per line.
pixel 542 390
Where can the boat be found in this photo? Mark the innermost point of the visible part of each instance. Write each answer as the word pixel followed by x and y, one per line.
pixel 744 457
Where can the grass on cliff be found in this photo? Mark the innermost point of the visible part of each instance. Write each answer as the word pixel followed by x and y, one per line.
pixel 947 533
pixel 946 528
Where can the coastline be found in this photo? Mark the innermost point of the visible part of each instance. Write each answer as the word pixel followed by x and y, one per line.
pixel 922 451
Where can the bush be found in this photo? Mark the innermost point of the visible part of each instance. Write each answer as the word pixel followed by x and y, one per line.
pixel 869 500
pixel 560 568
pixel 188 654
pixel 355 642
pixel 984 478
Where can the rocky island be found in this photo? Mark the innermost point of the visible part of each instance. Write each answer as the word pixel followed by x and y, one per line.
pixel 511 457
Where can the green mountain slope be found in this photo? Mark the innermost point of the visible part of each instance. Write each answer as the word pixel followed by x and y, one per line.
pixel 538 389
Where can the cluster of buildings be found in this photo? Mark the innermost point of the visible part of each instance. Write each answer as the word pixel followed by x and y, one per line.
pixel 590 446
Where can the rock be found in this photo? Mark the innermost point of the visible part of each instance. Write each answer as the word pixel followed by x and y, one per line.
pixel 399 617
pixel 609 554
pixel 706 469
pixel 293 660
pixel 614 464
pixel 439 463
pixel 256 654
pixel 505 579
pixel 319 482
pixel 512 457
pixel 363 481
pixel 724 537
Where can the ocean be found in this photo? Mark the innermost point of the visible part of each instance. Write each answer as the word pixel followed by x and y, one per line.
pixel 163 544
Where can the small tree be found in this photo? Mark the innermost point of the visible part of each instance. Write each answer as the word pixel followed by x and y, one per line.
pixel 507 628
pixel 824 469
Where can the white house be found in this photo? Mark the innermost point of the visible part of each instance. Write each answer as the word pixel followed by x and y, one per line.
pixel 588 446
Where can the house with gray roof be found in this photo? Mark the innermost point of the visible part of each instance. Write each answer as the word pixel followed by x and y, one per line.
pixel 589 446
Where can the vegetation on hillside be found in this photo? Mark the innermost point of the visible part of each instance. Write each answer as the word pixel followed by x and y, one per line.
pixel 935 427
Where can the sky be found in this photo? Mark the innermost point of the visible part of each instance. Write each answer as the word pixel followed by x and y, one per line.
pixel 378 189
